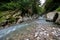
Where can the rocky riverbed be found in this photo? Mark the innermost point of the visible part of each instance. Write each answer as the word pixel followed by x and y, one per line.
pixel 37 30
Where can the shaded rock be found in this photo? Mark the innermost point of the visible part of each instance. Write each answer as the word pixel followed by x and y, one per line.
pixel 58 19
pixel 17 14
pixel 19 20
pixel 4 23
pixel 55 17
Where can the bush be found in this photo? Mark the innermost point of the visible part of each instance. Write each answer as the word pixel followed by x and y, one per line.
pixel 58 9
pixel 10 6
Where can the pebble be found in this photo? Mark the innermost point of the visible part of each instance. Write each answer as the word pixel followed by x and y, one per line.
pixel 53 28
pixel 42 28
pixel 26 39
pixel 41 33
pixel 59 29
pixel 47 34
pixel 38 38
pixel 36 34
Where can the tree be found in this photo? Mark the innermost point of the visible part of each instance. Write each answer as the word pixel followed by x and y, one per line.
pixel 51 5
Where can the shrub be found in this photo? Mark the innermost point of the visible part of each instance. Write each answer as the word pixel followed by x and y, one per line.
pixel 58 9
pixel 10 6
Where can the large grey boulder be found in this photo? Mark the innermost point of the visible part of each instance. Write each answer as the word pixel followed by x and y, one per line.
pixel 53 16
pixel 50 16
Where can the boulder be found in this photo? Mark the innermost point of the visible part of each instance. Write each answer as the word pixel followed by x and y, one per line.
pixel 53 16
pixel 50 16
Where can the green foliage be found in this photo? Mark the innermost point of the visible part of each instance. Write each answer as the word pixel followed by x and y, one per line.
pixel 10 6
pixel 2 19
pixel 51 5
pixel 23 5
pixel 42 10
pixel 12 19
pixel 2 16
pixel 39 9
pixel 58 9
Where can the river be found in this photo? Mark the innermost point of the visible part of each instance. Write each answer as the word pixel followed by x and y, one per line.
pixel 20 28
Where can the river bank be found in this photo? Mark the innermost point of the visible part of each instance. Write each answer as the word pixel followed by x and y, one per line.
pixel 9 18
